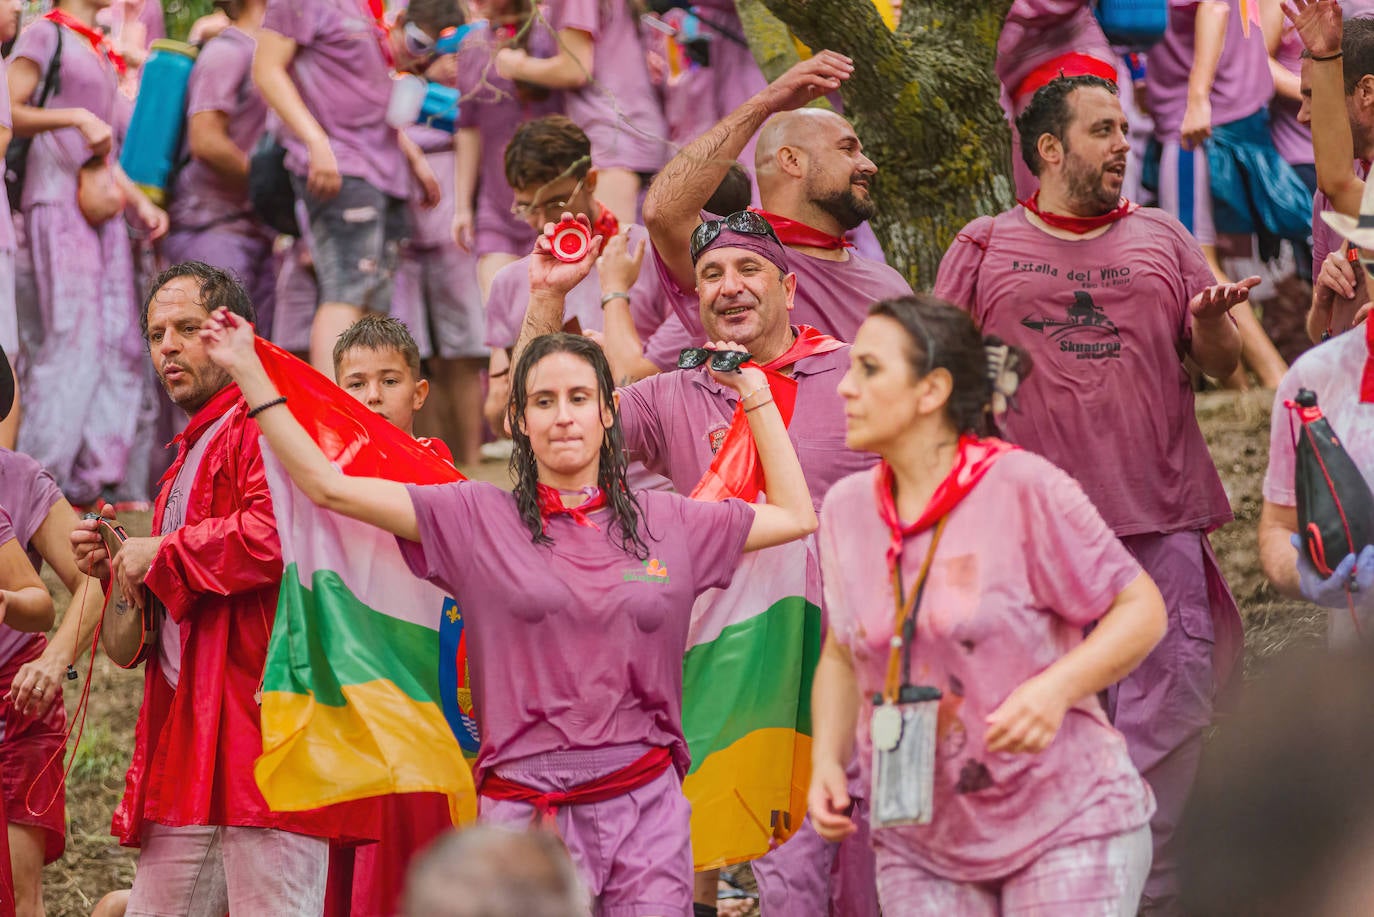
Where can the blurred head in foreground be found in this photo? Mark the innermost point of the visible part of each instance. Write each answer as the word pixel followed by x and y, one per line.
pixel 490 871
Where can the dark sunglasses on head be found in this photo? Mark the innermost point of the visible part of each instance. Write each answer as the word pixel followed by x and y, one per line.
pixel 745 221
pixel 722 361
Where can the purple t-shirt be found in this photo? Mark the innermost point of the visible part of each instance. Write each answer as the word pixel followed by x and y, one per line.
pixel 27 493
pixel 1002 602
pixel 675 422
pixel 510 295
pixel 832 296
pixel 617 108
pixel 575 644
pixel 1243 83
pixel 1106 322
pixel 1326 240
pixel 7 122
pixel 492 105
pixel 88 81
pixel 1291 139
pixel 220 81
pixel 346 83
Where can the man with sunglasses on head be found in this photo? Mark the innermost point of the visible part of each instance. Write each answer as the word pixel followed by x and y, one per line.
pixel 676 422
pixel 813 182
pixel 550 170
pixel 324 67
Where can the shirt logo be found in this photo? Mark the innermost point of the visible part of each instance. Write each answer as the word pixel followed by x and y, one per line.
pixel 716 437
pixel 1085 331
pixel 651 571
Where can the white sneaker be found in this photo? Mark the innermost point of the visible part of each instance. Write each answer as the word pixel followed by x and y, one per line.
pixel 498 451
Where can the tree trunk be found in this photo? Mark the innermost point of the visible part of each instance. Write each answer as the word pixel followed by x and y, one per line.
pixel 924 101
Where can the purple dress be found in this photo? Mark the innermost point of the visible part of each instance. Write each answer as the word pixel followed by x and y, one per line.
pixel 88 365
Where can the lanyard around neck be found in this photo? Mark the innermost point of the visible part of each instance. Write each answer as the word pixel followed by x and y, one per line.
pixel 904 625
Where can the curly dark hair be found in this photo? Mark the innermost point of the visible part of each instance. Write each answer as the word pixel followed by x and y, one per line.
pixel 1049 113
pixel 942 336
pixel 218 290
pixel 611 476
pixel 546 149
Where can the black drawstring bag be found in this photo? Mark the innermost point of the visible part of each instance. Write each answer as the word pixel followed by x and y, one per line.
pixel 1335 506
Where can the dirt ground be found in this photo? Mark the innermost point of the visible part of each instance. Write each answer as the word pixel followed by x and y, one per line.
pixel 1236 427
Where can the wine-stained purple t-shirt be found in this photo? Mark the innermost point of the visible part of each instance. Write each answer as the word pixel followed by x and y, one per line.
pixel 1106 322
pixel 27 494
pixel 345 81
pixel 574 644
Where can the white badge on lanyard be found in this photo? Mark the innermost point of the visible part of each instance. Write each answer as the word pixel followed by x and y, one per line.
pixel 903 791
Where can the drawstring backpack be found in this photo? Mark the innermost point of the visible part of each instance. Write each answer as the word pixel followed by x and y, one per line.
pixel 1335 505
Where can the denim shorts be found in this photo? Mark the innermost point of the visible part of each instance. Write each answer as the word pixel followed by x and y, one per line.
pixel 355 240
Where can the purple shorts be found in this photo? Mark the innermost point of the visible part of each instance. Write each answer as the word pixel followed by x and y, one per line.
pixel 435 294
pixel 633 852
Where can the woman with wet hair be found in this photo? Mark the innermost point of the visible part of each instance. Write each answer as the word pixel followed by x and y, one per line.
pixel 577 596
pixel 960 574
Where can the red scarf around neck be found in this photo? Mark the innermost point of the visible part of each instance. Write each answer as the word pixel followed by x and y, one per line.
pixel 605 225
pixel 736 471
pixel 974 459
pixel 551 504
pixel 1079 225
pixel 790 232
pixel 99 42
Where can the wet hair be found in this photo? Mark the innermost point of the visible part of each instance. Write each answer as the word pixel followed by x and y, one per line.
pixel 494 871
pixel 375 331
pixel 1049 113
pixel 732 194
pixel 435 15
pixel 547 149
pixel 941 336
pixel 218 290
pixel 611 477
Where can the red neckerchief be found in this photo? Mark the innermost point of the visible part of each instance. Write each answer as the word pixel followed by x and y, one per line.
pixel 551 504
pixel 735 470
pixel 790 232
pixel 1367 380
pixel 605 225
pixel 377 10
pixel 1079 225
pixel 974 459
pixel 100 43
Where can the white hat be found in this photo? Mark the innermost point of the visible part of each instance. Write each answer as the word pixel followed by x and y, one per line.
pixel 1359 231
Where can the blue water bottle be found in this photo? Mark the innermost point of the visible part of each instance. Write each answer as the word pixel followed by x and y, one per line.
pixel 1136 24
pixel 159 118
pixel 452 37
pixel 417 101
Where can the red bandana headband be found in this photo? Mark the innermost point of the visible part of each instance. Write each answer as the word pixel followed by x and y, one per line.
pixel 1075 63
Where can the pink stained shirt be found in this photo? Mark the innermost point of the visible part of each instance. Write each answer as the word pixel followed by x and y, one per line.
pixel 88 82
pixel 617 108
pixel 575 644
pixel 1291 139
pixel 221 81
pixel 510 295
pixel 1106 323
pixel 1243 84
pixel 1326 240
pixel 346 83
pixel 1025 563
pixel 493 106
pixel 832 296
pixel 675 422
pixel 7 122
pixel 27 494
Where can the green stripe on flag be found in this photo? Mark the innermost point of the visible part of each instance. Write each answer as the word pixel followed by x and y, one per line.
pixel 756 675
pixel 325 637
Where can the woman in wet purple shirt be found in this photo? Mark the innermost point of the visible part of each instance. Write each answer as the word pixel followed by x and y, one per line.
pixel 578 596
pixel 1036 805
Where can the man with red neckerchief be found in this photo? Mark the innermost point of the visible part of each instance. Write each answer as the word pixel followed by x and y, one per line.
pixel 1108 299
pixel 813 183
pixel 210 844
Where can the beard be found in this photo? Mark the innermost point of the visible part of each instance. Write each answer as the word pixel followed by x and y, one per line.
pixel 1087 188
pixel 848 209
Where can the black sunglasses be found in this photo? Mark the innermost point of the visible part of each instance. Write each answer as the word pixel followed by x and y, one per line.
pixel 722 361
pixel 745 221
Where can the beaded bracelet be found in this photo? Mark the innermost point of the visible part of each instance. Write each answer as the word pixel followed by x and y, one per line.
pixel 254 412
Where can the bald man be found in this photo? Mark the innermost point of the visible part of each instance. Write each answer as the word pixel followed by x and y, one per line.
pixel 813 180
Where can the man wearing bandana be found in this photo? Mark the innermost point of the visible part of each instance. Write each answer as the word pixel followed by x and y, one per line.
pixel 813 183
pixel 686 426
pixel 1109 299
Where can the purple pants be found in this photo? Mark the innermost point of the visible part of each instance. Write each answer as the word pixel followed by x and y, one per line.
pixel 88 363
pixel 633 852
pixel 808 875
pixel 1099 876
pixel 1163 706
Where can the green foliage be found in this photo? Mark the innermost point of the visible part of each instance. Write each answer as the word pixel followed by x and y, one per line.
pixel 181 13
pixel 101 757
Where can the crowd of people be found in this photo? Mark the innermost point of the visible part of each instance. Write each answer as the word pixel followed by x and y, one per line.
pixel 1001 487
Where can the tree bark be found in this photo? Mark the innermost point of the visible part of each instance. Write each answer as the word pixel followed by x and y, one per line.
pixel 924 102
